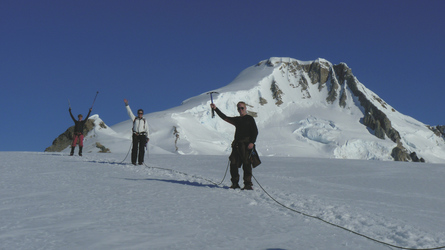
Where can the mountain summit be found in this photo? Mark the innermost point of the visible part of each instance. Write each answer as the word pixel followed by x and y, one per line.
pixel 302 108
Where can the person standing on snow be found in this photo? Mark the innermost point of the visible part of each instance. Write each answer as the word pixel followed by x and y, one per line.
pixel 140 135
pixel 244 142
pixel 78 131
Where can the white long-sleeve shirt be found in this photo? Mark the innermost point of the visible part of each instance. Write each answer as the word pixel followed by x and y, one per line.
pixel 140 125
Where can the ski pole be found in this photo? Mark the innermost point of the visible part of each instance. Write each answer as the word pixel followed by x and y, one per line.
pixel 69 103
pixel 94 99
pixel 211 99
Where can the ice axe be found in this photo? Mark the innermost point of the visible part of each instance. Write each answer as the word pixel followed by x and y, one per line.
pixel 94 99
pixel 211 99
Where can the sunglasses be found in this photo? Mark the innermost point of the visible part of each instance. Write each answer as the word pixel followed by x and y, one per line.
pixel 240 108
pixel 140 113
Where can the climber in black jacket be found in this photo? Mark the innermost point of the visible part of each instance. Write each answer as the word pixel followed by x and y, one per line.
pixel 244 142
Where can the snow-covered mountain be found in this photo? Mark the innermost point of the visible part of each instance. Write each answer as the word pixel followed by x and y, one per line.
pixel 302 108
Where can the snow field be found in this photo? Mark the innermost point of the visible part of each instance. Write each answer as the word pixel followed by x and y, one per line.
pixel 53 201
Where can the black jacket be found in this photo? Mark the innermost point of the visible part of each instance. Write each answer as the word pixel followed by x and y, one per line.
pixel 79 125
pixel 245 126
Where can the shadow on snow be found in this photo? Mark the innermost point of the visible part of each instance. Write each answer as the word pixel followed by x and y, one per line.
pixel 189 183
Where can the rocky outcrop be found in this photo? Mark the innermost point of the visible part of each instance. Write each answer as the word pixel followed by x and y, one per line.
pixel 276 93
pixel 441 129
pixel 176 134
pixel 438 130
pixel 319 72
pixel 102 148
pixel 65 139
pixel 399 153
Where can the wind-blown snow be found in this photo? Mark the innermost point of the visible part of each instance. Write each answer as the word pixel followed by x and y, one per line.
pixel 303 125
pixel 54 201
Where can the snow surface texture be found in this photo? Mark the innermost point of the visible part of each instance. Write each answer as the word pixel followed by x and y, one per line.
pixel 54 201
pixel 299 122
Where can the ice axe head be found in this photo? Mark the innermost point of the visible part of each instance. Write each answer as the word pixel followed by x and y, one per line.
pixel 211 96
pixel 211 99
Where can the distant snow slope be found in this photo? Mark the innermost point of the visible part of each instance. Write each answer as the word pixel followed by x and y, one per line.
pixel 298 113
pixel 54 201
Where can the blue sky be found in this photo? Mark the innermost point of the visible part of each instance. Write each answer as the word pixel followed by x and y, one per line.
pixel 159 53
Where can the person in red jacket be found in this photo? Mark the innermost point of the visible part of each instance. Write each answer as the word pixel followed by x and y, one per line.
pixel 78 131
pixel 246 133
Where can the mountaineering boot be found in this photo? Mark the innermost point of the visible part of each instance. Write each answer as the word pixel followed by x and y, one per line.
pixel 80 150
pixel 247 188
pixel 235 186
pixel 72 151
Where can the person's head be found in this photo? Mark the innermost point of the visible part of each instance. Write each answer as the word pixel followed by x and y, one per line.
pixel 140 113
pixel 80 117
pixel 242 110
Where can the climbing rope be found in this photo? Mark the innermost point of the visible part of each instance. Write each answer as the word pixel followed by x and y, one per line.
pixel 131 145
pixel 335 225
pixel 293 210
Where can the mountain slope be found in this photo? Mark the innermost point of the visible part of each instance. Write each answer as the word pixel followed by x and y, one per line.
pixel 312 109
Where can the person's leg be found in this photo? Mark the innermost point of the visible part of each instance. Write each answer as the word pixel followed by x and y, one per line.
pixel 80 140
pixel 134 151
pixel 73 145
pixel 141 149
pixel 80 144
pixel 75 138
pixel 247 176
pixel 235 163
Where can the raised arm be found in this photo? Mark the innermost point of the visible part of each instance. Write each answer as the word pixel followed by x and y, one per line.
pixel 88 114
pixel 129 112
pixel 222 115
pixel 71 114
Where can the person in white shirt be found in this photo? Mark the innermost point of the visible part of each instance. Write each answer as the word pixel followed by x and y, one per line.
pixel 140 135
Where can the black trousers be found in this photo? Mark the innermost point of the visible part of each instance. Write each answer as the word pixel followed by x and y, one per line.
pixel 138 151
pixel 240 156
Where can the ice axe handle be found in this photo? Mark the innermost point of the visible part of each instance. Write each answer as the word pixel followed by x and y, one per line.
pixel 213 111
pixel 211 99
pixel 94 99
